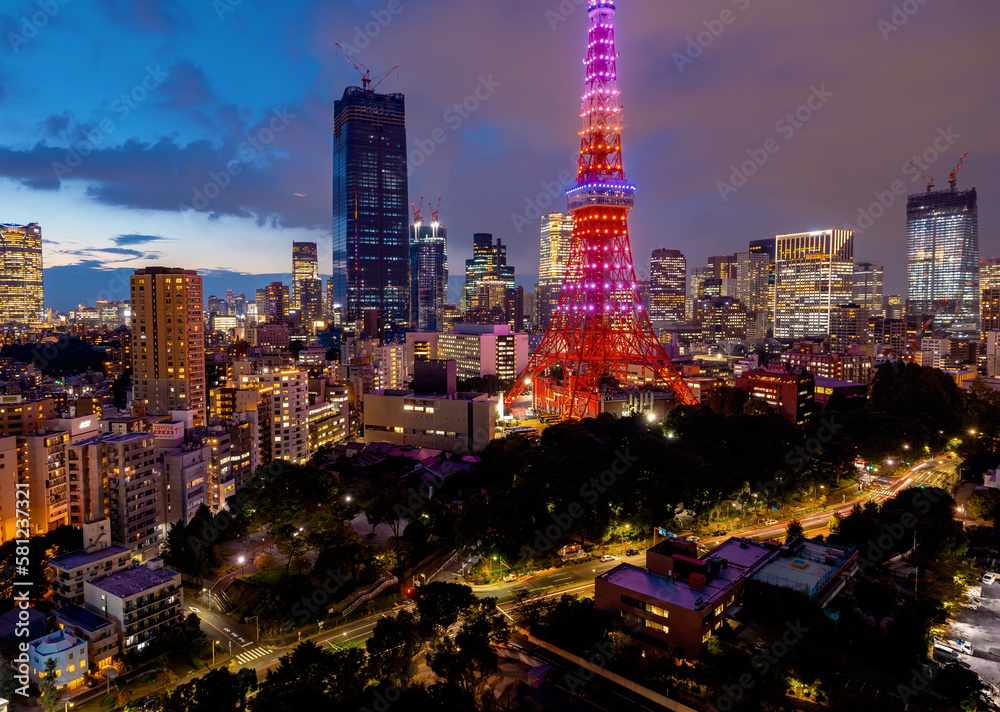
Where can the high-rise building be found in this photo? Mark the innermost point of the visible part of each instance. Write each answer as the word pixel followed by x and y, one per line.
pixel 489 262
pixel 557 233
pixel 942 258
pixel 696 288
pixel 895 307
pixel 868 286
pixel 168 341
pixel 991 309
pixel 848 326
pixel 814 272
pixel 21 300
pixel 723 267
pixel 754 277
pixel 307 287
pixel 989 273
pixel 273 302
pixel 428 274
pixel 667 285
pixel 370 206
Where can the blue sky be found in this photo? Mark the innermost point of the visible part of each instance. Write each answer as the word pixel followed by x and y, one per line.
pixel 164 97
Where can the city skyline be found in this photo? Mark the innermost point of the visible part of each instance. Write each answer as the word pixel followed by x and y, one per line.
pixel 683 141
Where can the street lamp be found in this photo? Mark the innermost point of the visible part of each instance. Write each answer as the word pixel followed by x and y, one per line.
pixel 241 561
pixel 67 705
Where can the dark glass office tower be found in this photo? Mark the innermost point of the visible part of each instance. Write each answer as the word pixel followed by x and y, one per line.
pixel 428 275
pixel 942 258
pixel 370 232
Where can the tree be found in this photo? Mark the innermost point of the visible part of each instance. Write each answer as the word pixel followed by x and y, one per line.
pixel 959 686
pixel 8 683
pixel 984 504
pixel 264 562
pixel 50 693
pixel 220 689
pixel 289 543
pixel 440 604
pixel 877 598
pixel 793 530
pixel 393 645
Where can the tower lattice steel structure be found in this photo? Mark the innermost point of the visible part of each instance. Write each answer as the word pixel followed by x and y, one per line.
pixel 599 329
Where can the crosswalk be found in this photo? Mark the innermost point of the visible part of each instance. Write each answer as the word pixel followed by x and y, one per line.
pixel 252 654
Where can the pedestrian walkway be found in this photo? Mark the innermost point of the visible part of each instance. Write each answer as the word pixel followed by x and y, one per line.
pixel 252 654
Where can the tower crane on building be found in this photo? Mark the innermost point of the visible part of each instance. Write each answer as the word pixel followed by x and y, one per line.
pixel 953 178
pixel 367 82
pixel 436 212
pixel 930 181
pixel 418 211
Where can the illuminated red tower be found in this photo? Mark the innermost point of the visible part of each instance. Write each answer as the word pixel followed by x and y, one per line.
pixel 599 328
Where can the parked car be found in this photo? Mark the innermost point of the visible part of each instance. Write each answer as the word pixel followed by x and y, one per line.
pixel 609 557
pixel 989 577
pixel 719 532
pixel 632 552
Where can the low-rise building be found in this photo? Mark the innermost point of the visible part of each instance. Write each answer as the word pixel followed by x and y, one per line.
pixel 99 633
pixel 791 394
pixel 67 651
pixel 459 422
pixel 67 573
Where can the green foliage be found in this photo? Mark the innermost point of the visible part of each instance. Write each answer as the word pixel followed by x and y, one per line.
pixel 219 689
pixel 189 548
pixel 441 603
pixel 49 697
pixel 985 504
pixel 878 598
pixel 68 356
pixel 793 530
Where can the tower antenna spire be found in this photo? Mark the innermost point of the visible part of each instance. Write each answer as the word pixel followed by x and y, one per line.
pixel 599 331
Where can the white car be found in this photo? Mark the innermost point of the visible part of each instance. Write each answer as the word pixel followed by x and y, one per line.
pixel 771 522
pixel 609 557
pixel 989 577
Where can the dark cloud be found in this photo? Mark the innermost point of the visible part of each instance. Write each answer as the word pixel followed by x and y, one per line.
pixel 121 240
pixel 91 251
pixel 185 87
pixel 56 125
pixel 160 16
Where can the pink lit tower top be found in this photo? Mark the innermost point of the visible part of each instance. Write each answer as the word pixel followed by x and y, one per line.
pixel 599 337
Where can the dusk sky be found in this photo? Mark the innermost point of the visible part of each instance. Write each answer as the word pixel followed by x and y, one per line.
pixel 164 97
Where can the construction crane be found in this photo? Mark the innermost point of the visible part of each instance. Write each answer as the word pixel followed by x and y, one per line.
pixel 953 178
pixel 417 216
pixel 367 82
pixel 930 181
pixel 436 211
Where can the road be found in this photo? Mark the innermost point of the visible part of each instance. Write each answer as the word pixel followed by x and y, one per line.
pixel 575 579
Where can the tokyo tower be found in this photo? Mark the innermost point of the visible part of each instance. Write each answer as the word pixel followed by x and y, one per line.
pixel 600 335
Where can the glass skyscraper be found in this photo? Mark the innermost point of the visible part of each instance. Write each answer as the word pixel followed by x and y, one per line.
pixel 557 234
pixel 307 287
pixel 488 265
pixel 428 275
pixel 942 258
pixel 21 275
pixel 814 273
pixel 868 287
pixel 370 218
pixel 667 285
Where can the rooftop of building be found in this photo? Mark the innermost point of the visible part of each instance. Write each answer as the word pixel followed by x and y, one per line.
pixel 112 437
pixel 806 565
pixel 735 558
pixel 57 642
pixel 80 617
pixel 410 393
pixel 80 558
pixel 134 580
pixel 823 381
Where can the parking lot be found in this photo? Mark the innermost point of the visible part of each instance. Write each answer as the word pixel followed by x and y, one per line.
pixel 981 627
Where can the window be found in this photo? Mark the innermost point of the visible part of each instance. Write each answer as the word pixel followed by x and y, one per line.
pixel 718 609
